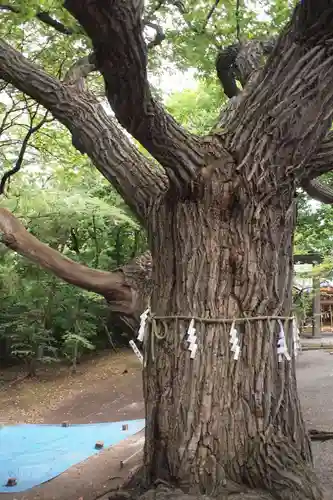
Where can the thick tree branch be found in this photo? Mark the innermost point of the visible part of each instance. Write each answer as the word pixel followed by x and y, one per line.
pixel 127 289
pixel 116 30
pixel 80 70
pixel 243 62
pixel 318 191
pixel 110 285
pixel 93 131
pixel 283 118
pixel 225 68
pixel 316 435
pixel 88 64
pixel 322 161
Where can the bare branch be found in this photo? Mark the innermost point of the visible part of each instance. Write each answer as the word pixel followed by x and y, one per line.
pixel 93 131
pixel 209 15
pixel 10 8
pixel 123 64
pixel 159 35
pixel 32 130
pixel 238 20
pixel 46 18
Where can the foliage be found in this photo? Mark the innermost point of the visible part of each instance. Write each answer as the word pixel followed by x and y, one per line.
pixel 314 234
pixel 76 212
pixel 302 306
pixel 45 319
pixel 41 317
pixel 197 109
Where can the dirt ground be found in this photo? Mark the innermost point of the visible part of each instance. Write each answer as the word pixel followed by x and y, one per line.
pixel 108 388
pixel 104 389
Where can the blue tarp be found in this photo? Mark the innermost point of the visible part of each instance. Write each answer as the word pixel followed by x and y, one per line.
pixel 34 454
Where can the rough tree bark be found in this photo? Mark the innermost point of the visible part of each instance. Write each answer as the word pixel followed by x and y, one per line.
pixel 93 131
pixel 221 243
pixel 213 418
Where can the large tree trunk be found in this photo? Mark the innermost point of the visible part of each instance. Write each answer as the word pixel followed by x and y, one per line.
pixel 226 254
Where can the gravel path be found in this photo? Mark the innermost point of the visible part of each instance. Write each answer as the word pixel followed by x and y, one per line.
pixel 315 383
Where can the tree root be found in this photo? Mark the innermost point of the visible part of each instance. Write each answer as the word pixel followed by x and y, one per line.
pixel 163 491
pixel 166 492
pixel 279 467
pixel 134 489
pixel 276 466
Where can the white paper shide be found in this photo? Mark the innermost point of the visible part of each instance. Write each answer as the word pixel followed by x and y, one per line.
pixel 282 348
pixel 143 322
pixel 235 342
pixel 192 339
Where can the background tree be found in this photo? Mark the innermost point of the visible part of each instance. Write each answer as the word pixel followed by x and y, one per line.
pixel 42 321
pixel 219 211
pixel 40 318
